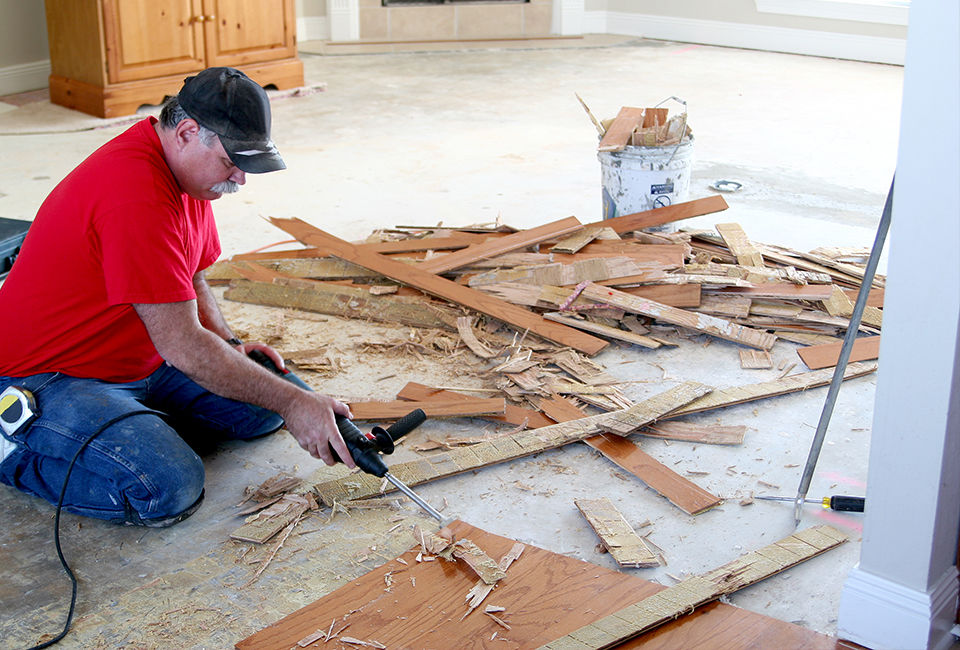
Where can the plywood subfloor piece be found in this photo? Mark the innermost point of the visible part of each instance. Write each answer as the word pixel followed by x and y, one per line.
pixel 711 325
pixel 545 595
pixel 500 245
pixel 664 215
pixel 442 288
pixel 518 445
pixel 617 536
pixel 827 355
pixel 439 408
pixel 681 599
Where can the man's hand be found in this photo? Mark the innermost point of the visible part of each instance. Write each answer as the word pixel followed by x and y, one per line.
pixel 310 419
pixel 248 347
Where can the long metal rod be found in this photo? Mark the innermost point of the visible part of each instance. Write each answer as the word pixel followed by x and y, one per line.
pixel 400 485
pixel 844 358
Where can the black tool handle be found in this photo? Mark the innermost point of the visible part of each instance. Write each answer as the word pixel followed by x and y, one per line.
pixel 406 424
pixel 365 452
pixel 847 504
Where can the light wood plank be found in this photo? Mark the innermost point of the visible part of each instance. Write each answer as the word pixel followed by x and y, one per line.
pixel 506 448
pixel 603 330
pixel 739 244
pixel 701 322
pixel 755 359
pixel 572 243
pixel 442 288
pixel 344 302
pixel 616 534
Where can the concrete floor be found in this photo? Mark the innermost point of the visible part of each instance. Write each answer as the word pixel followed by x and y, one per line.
pixel 467 136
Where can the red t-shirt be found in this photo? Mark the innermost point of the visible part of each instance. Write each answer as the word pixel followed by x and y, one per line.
pixel 116 231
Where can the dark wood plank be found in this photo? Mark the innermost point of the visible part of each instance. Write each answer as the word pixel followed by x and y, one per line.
pixel 546 595
pixel 827 354
pixel 666 214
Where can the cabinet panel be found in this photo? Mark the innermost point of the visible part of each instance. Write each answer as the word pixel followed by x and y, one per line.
pixel 249 31
pixel 147 38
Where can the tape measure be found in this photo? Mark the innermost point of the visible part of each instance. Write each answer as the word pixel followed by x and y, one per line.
pixel 17 409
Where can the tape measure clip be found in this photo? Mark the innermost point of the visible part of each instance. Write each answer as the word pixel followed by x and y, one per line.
pixel 18 409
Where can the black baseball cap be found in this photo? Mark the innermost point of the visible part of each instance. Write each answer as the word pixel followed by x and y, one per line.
pixel 237 109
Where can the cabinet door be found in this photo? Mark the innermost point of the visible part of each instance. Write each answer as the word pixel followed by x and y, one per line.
pixel 249 31
pixel 152 38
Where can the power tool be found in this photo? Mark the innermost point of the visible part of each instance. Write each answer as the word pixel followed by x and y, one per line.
pixel 365 448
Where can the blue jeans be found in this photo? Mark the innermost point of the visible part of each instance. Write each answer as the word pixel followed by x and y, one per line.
pixel 142 467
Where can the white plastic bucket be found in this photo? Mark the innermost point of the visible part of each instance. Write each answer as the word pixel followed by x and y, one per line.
pixel 642 178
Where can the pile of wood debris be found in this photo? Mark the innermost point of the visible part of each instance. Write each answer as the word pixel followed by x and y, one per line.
pixel 533 305
pixel 565 285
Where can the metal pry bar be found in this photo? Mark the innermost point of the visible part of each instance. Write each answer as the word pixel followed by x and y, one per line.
pixel 845 350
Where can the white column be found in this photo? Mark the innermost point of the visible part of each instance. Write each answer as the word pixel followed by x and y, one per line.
pixel 568 17
pixel 903 593
pixel 344 20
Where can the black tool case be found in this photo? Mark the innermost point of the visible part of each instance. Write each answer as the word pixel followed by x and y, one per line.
pixel 12 233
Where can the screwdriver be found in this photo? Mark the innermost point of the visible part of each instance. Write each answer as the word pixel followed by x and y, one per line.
pixel 365 449
pixel 836 502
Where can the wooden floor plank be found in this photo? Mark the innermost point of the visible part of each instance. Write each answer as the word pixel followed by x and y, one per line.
pixel 500 245
pixel 678 490
pixel 618 134
pixel 711 325
pixel 666 214
pixel 513 414
pixel 617 536
pixel 437 286
pixel 682 598
pixel 518 445
pixel 545 595
pixel 471 407
pixel 827 354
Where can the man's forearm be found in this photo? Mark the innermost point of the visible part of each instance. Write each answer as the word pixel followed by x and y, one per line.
pixel 208 311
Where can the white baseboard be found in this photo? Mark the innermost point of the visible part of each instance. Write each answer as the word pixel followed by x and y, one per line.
pixel 881 614
pixel 873 49
pixel 312 28
pixel 26 76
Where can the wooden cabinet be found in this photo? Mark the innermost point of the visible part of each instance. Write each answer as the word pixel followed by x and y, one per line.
pixel 109 57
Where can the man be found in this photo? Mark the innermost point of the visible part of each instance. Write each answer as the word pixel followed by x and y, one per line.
pixel 107 321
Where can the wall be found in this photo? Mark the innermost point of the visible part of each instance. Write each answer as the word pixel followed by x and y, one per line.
pixel 874 32
pixel 24 59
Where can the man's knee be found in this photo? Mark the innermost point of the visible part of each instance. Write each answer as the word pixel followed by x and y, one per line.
pixel 166 492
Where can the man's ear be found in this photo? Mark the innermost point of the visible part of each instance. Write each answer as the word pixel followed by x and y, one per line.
pixel 187 131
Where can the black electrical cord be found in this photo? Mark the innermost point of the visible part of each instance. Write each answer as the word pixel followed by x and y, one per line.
pixel 56 526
